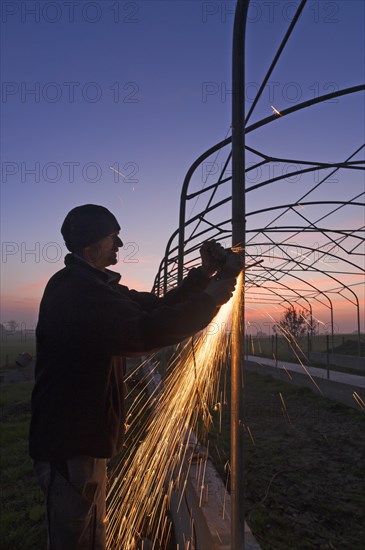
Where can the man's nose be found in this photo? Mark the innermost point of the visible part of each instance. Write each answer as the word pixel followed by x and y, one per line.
pixel 118 241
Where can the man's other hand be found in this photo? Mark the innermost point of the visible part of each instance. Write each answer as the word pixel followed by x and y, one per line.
pixel 221 291
pixel 234 264
pixel 213 256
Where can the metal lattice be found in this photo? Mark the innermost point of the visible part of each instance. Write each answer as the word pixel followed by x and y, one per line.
pixel 312 242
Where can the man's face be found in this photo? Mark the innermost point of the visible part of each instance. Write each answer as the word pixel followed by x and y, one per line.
pixel 104 252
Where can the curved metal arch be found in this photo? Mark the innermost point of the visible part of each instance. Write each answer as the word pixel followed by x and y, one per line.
pixel 201 158
pixel 173 271
pixel 343 287
pixel 316 289
pixel 255 126
pixel 300 172
pixel 299 296
pixel 290 270
pixel 314 167
pixel 310 249
pixel 276 279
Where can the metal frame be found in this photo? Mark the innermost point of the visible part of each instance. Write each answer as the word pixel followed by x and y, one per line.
pixel 286 275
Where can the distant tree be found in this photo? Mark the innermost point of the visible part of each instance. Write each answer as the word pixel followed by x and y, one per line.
pixel 295 323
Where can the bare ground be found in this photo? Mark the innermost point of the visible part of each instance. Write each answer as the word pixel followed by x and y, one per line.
pixel 304 467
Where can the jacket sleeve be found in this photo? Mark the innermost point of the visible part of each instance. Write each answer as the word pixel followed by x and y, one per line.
pixel 195 282
pixel 81 315
pixel 125 328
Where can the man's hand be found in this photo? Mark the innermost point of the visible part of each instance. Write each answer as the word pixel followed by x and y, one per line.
pixel 221 290
pixel 232 267
pixel 213 256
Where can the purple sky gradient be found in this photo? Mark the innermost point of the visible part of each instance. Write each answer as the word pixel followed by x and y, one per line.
pixel 144 86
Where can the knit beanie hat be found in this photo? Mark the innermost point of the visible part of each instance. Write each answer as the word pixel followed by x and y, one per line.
pixel 87 224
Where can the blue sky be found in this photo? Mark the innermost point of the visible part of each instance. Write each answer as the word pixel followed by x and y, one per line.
pixel 144 86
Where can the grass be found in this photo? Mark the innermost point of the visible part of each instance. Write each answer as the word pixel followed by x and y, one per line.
pixel 14 343
pixel 304 467
pixel 15 394
pixel 21 501
pixel 22 517
pixel 345 344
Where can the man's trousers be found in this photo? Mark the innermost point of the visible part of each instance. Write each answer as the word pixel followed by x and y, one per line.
pixel 75 491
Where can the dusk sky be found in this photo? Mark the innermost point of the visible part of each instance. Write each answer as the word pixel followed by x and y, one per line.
pixel 144 87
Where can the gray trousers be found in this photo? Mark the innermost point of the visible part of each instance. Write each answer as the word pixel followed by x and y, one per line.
pixel 75 492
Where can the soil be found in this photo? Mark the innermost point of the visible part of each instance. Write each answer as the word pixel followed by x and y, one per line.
pixel 304 461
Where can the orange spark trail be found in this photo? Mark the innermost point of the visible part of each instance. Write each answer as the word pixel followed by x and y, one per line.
pixel 289 337
pixel 139 493
pixel 358 400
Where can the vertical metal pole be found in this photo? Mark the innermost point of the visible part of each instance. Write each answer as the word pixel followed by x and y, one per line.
pixel 238 238
pixel 358 329
pixel 276 349
pixel 332 329
pixel 311 331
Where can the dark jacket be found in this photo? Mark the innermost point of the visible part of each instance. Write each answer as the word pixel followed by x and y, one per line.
pixel 86 319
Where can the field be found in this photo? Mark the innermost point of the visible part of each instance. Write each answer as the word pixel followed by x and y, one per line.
pixel 346 344
pixel 14 343
pixel 22 514
pixel 278 348
pixel 304 469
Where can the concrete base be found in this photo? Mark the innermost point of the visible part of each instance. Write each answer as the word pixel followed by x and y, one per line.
pixel 201 508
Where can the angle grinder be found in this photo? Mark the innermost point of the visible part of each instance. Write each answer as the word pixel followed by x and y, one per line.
pixel 232 265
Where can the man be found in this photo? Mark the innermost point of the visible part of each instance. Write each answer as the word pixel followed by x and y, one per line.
pixel 88 323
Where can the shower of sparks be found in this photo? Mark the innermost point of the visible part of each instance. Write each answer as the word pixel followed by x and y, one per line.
pixel 117 172
pixel 203 462
pixel 250 434
pixel 227 469
pixel 275 111
pixel 284 410
pixel 292 341
pixel 358 400
pixel 143 481
pixel 288 373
